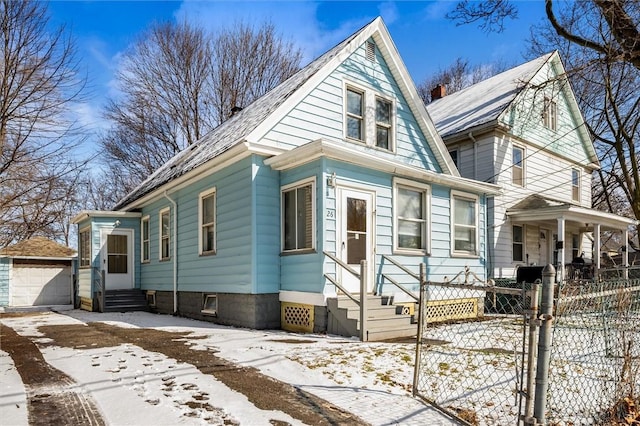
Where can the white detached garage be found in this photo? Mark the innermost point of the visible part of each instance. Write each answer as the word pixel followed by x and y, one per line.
pixel 36 272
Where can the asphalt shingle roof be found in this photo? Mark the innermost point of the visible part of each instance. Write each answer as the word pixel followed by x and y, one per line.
pixel 233 131
pixel 482 102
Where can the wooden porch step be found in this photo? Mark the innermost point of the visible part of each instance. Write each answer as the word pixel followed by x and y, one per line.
pixel 125 301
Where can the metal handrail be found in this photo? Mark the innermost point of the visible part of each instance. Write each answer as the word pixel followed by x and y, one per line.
pixel 341 263
pixel 342 289
pixel 402 267
pixel 397 284
pixel 98 282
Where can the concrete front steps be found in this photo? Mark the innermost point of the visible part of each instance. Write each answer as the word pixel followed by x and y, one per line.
pixel 385 321
pixel 125 301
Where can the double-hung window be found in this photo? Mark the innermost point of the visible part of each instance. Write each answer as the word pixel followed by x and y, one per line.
pixel 518 243
pixel 411 206
pixel 383 123
pixel 575 185
pixel 355 114
pixel 165 230
pixel 298 216
pixel 144 225
pixel 207 219
pixel 550 114
pixel 369 117
pixel 517 166
pixel 465 224
pixel 85 248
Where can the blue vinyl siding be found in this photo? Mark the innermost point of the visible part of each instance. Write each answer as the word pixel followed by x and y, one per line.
pixel 320 114
pixel 266 212
pixel 4 280
pixel 229 270
pixel 303 272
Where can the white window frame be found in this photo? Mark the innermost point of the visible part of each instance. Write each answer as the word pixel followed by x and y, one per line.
pixel 166 210
pixel 294 186
pixel 550 114
pixel 514 242
pixel 206 194
pixel 146 220
pixel 347 114
pixel 467 197
pixel 84 253
pixel 521 167
pixel 388 126
pixel 575 184
pixel 206 299
pixel 426 200
pixel 369 123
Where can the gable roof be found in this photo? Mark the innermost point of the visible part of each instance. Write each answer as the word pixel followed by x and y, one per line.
pixel 38 247
pixel 483 103
pixel 252 123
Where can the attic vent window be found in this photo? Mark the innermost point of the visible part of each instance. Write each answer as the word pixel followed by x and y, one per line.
pixel 371 51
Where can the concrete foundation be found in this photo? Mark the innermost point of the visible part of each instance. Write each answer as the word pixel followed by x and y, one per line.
pixel 257 311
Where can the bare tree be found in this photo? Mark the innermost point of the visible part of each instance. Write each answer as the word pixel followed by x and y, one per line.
pixel 248 62
pixel 39 81
pixel 457 76
pixel 178 82
pixel 599 41
pixel 618 20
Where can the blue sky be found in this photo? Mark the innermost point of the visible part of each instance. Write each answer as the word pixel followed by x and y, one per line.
pixel 426 40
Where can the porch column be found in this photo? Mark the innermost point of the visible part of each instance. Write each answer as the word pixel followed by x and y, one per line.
pixel 560 248
pixel 597 256
pixel 625 256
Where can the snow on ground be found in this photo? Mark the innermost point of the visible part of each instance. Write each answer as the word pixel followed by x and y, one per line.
pixel 134 386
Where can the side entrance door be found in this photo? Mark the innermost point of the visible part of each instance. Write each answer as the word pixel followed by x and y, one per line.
pixel 355 236
pixel 117 258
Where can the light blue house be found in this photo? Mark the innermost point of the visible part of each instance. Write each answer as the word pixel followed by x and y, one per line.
pixel 341 161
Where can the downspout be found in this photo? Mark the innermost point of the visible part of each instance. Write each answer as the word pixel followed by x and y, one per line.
pixel 175 252
pixel 475 156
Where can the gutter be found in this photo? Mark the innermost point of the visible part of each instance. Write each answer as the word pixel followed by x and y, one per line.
pixel 475 155
pixel 175 252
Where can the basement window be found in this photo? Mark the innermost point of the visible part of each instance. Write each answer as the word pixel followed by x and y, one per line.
pixel 210 305
pixel 151 298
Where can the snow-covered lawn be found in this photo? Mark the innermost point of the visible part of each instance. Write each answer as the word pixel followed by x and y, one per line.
pixel 133 386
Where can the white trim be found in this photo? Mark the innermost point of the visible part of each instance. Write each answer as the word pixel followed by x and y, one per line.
pixel 369 109
pixel 79 255
pixel 426 191
pixel 523 165
pixel 469 197
pixel 240 151
pixel 204 303
pixel 142 220
pixel 378 31
pixel 86 214
pixel 371 159
pixel 285 188
pixel 160 213
pixel 315 299
pixel 206 194
pixel 70 258
pixel 579 185
pixel 523 242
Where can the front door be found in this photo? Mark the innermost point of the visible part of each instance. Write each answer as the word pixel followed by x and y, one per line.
pixel 356 239
pixel 117 258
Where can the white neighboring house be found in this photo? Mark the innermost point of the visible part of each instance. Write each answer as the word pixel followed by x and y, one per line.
pixel 522 129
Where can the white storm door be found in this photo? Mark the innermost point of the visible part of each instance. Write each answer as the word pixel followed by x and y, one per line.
pixel 355 237
pixel 117 258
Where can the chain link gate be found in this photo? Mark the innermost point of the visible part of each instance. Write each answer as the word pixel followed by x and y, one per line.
pixel 473 367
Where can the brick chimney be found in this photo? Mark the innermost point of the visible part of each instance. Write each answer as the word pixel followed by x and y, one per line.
pixel 438 92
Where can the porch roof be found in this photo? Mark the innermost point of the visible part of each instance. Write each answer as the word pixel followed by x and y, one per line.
pixel 536 208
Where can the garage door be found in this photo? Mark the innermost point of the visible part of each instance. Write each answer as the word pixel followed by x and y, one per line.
pixel 40 284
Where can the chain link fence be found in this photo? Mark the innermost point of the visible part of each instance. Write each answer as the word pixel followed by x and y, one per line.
pixel 472 368
pixel 481 368
pixel 595 358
